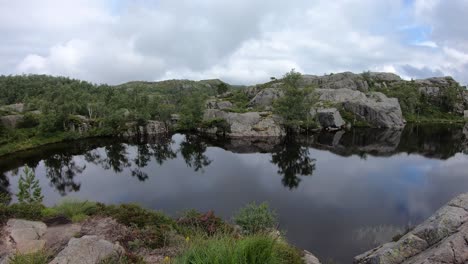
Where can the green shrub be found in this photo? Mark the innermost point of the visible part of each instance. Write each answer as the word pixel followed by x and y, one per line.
pixel 29 120
pixel 255 218
pixel 29 189
pixel 249 250
pixel 196 223
pixel 134 215
pixel 74 209
pixel 40 257
pixel 30 211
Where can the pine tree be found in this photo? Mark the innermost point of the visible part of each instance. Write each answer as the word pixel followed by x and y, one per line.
pixel 29 189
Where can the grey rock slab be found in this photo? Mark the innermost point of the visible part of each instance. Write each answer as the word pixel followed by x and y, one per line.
pixel 87 249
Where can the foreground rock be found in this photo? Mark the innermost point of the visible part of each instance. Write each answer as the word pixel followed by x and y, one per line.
pixel 21 236
pixel 440 239
pixel 309 258
pixel 87 249
pixel 251 124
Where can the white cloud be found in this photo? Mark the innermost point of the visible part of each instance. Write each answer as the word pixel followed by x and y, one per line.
pixel 239 41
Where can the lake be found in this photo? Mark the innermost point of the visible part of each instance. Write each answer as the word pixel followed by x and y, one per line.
pixel 336 194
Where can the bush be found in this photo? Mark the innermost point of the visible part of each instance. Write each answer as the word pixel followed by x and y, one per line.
pixel 193 222
pixel 75 210
pixel 249 250
pixel 32 211
pixel 29 120
pixel 134 215
pixel 255 218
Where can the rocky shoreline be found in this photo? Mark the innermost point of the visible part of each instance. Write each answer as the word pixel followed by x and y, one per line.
pixel 442 238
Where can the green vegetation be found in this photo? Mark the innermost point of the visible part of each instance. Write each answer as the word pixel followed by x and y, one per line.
pixel 418 107
pixel 254 219
pixel 58 109
pixel 29 189
pixel 40 257
pixel 294 106
pixel 248 250
pixel 75 210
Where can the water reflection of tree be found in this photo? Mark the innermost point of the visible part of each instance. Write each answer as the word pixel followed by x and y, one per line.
pixel 292 160
pixel 193 151
pixel 117 158
pixel 61 170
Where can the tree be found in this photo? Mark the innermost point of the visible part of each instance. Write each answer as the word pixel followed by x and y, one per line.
pixel 294 105
pixel 191 113
pixel 222 88
pixel 29 189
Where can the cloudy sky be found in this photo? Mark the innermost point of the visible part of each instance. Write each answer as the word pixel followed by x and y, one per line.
pixel 239 41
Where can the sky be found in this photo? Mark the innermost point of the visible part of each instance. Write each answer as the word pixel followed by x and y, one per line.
pixel 241 42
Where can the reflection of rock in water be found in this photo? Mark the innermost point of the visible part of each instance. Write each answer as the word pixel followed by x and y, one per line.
pixel 357 141
pixel 246 144
pixel 373 236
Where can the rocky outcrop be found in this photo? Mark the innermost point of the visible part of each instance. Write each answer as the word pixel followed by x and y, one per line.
pixel 80 124
pixel 342 80
pixel 19 107
pixel 23 236
pixel 434 89
pixel 11 121
pixel 381 77
pixel 440 239
pixel 378 110
pixel 375 108
pixel 265 97
pixel 251 124
pixel 330 118
pixel 87 249
pixel 151 128
pixel 215 104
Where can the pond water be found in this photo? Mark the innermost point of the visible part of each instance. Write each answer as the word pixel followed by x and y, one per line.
pixel 336 194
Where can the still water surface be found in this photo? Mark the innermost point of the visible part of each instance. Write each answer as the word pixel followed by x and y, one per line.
pixel 336 194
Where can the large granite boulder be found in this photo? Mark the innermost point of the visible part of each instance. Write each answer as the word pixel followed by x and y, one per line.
pixel 346 80
pixel 265 97
pixel 375 108
pixel 87 249
pixel 251 124
pixel 330 118
pixel 21 236
pixel 440 239
pixel 216 104
pixel 378 110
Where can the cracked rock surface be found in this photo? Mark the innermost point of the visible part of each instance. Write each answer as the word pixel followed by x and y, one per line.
pixel 443 238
